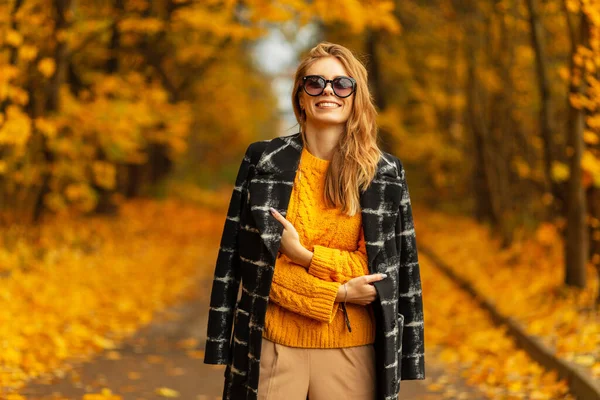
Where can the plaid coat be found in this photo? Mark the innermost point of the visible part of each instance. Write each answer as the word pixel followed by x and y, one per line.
pixel 247 254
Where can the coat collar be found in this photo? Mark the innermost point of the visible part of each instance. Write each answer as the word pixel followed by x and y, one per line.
pixel 277 167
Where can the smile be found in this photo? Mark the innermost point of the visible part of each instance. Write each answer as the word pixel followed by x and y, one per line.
pixel 326 104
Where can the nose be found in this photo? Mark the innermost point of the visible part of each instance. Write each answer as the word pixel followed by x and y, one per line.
pixel 328 87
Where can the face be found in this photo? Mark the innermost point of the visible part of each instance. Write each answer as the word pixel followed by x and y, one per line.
pixel 327 108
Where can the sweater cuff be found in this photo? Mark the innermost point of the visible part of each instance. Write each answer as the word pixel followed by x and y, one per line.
pixel 322 263
pixel 323 302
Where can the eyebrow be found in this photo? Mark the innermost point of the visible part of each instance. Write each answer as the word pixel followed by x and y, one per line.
pixel 337 76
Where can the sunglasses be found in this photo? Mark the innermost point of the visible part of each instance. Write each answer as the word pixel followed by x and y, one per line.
pixel 314 85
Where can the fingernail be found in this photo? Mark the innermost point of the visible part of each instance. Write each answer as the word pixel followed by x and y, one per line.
pixel 384 275
pixel 271 209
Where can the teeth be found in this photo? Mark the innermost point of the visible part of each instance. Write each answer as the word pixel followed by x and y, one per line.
pixel 327 105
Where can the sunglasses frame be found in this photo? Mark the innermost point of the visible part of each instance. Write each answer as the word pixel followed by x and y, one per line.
pixel 304 79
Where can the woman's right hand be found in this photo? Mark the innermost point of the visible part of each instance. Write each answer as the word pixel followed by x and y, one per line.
pixel 360 290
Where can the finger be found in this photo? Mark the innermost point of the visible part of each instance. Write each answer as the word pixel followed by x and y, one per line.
pixel 279 217
pixel 276 214
pixel 375 277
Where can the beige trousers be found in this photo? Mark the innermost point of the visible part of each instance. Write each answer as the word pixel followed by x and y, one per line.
pixel 292 373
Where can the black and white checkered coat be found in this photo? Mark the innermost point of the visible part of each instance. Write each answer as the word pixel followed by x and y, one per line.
pixel 247 254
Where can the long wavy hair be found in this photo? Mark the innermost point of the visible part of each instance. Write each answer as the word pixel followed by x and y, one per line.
pixel 355 158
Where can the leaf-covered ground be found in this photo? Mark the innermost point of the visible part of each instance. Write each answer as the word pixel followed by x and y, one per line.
pixel 71 289
pixel 463 336
pixel 524 282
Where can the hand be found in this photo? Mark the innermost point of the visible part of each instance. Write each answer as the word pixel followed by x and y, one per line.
pixel 290 240
pixel 360 289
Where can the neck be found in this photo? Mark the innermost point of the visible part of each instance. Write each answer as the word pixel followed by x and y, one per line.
pixel 322 140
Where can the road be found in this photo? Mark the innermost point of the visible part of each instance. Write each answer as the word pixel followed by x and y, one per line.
pixel 163 359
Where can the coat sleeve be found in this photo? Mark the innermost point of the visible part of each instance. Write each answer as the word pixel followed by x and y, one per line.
pixel 336 265
pixel 226 279
pixel 410 302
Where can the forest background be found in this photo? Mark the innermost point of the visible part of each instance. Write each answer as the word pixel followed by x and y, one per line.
pixel 119 117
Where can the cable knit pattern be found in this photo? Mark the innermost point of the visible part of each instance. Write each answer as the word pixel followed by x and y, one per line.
pixel 302 311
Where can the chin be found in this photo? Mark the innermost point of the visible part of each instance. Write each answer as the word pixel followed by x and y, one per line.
pixel 331 121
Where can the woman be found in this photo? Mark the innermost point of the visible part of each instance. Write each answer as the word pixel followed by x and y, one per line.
pixel 320 234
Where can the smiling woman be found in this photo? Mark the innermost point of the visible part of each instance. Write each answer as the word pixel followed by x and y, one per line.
pixel 320 234
pixel 331 90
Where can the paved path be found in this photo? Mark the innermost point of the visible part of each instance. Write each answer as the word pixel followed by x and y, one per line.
pixel 156 357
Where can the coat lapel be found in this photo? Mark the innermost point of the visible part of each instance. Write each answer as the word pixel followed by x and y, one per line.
pixel 271 186
pixel 380 205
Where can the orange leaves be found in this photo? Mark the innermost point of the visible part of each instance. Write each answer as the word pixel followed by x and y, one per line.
pixel 560 171
pixel 73 288
pixel 524 282
pixel 13 38
pixel 16 129
pixel 547 234
pixel 591 167
pixel 357 15
pixel 141 25
pixel 167 392
pixel 121 118
pixel 81 195
pixel 7 74
pixel 591 137
pixel 47 127
pixel 120 101
pixel 105 394
pixel 47 67
pixel 271 11
pixel 464 337
pixel 104 174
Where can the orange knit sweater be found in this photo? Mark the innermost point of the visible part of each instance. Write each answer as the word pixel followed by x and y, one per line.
pixel 302 311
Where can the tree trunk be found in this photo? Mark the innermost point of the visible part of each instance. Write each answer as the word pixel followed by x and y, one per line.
pixel 387 142
pixel 546 123
pixel 576 243
pixel 481 180
pixel 61 57
pixel 105 203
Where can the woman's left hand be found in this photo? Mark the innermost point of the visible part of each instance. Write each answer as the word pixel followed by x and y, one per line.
pixel 290 240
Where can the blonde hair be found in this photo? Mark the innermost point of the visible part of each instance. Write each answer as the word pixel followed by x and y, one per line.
pixel 355 159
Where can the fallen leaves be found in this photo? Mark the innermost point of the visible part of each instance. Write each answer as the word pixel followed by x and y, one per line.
pixel 166 392
pixel 464 337
pixel 105 394
pixel 524 282
pixel 78 287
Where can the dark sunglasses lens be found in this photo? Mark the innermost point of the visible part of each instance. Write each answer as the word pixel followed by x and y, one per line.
pixel 342 86
pixel 314 85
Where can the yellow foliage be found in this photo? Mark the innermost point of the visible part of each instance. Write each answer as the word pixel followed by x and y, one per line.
pixel 18 95
pixel 46 126
pixel 13 38
pixel 121 271
pixel 463 336
pixel 47 67
pixel 105 394
pixel 590 137
pixel 560 171
pixel 522 167
pixel 532 272
pixel 27 52
pixel 167 392
pixel 591 164
pixel 16 128
pixel 141 25
pixel 105 174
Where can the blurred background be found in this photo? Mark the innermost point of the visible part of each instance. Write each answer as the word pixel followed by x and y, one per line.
pixel 123 124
